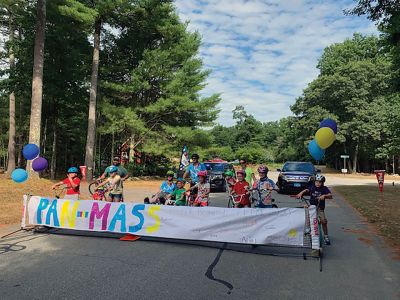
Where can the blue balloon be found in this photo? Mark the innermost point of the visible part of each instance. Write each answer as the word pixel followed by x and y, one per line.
pixel 30 151
pixel 19 175
pixel 329 123
pixel 315 151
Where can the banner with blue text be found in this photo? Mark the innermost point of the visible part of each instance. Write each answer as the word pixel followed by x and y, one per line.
pixel 281 226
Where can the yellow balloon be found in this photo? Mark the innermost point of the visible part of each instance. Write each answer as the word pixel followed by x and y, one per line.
pixel 325 137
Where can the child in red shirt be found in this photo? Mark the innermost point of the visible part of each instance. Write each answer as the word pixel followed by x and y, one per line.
pixel 241 191
pixel 71 183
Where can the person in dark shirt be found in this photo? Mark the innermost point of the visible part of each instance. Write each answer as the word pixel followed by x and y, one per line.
pixel 318 193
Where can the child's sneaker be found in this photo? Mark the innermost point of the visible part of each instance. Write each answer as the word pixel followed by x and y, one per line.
pixel 326 240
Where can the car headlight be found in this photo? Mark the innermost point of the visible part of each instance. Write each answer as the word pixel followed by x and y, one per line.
pixel 284 177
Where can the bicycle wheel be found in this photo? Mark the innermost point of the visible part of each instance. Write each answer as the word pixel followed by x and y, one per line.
pixel 321 235
pixel 230 202
pixel 92 187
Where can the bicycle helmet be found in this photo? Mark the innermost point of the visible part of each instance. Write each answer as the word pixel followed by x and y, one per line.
pixel 229 173
pixel 180 180
pixel 113 169
pixel 72 170
pixel 262 169
pixel 170 173
pixel 195 156
pixel 320 177
pixel 241 172
pixel 202 173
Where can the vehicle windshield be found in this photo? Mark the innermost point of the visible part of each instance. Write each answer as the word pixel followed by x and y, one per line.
pixel 298 167
pixel 217 167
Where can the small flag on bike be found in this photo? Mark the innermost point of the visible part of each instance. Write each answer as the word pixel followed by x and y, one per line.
pixel 184 162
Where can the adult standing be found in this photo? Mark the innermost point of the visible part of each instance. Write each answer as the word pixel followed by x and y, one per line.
pixel 193 169
pixel 122 172
pixel 250 177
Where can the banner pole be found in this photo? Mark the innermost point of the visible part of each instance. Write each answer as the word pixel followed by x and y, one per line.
pixel 25 202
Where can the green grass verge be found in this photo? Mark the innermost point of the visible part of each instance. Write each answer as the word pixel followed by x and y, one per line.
pixel 380 209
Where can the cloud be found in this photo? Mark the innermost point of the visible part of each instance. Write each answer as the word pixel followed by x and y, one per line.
pixel 263 53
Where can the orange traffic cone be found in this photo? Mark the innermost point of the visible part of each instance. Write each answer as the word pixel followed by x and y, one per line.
pixel 130 237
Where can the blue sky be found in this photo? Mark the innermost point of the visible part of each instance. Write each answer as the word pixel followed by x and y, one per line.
pixel 263 53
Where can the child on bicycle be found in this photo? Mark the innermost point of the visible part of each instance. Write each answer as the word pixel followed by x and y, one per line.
pixel 178 196
pixel 72 183
pixel 115 189
pixel 318 193
pixel 263 187
pixel 240 191
pixel 203 188
pixel 230 181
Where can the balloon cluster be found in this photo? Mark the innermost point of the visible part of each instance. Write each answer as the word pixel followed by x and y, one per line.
pixel 30 152
pixel 324 138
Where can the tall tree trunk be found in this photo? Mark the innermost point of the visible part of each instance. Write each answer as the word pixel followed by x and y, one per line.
pixel 393 165
pixel 44 140
pixel 37 80
pixel 355 158
pixel 53 164
pixel 90 140
pixel 11 130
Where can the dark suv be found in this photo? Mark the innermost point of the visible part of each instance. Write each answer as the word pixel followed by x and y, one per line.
pixel 295 176
pixel 216 172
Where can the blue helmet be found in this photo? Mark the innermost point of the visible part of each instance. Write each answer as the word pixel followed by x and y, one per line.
pixel 113 169
pixel 72 170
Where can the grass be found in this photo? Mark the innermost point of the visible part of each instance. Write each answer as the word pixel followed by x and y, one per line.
pixel 380 209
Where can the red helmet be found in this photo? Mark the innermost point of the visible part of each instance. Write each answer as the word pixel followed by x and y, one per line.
pixel 202 173
pixel 241 172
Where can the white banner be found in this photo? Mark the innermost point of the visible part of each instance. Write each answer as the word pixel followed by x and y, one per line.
pixel 280 226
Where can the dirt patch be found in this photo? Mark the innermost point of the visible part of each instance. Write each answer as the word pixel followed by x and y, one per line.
pixel 143 183
pixel 382 210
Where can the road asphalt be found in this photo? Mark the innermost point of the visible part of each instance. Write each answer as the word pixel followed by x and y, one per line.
pixel 61 265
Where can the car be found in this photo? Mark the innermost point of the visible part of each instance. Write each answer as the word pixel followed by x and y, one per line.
pixel 295 176
pixel 216 170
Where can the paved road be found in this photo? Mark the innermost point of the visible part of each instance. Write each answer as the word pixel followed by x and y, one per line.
pixel 49 266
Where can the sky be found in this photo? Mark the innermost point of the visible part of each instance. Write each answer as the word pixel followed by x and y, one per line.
pixel 263 53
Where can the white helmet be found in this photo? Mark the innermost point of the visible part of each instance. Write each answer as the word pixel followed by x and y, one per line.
pixel 320 177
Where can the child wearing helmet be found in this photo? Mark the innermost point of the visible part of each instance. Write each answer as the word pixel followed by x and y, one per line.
pixel 203 189
pixel 178 196
pixel 263 187
pixel 115 188
pixel 318 193
pixel 72 183
pixel 229 180
pixel 166 188
pixel 241 190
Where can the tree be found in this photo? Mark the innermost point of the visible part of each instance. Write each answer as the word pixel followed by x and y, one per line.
pixel 352 88
pixel 151 78
pixel 37 80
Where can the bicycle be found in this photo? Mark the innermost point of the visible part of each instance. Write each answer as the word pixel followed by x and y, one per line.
pixel 235 199
pixel 260 195
pixel 98 194
pixel 59 192
pixel 306 201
